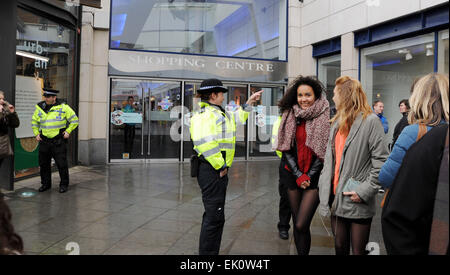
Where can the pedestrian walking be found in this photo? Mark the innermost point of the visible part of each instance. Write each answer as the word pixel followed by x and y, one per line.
pixel 349 181
pixel 302 139
pixel 284 208
pixel 49 124
pixel 429 108
pixel 213 132
pixel 8 119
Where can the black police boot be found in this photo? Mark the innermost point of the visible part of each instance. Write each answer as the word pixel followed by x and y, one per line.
pixel 284 234
pixel 44 188
pixel 63 189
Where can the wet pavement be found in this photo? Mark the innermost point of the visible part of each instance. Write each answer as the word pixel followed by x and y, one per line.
pixel 156 209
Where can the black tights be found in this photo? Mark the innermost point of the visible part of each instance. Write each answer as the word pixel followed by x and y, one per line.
pixel 303 205
pixel 356 230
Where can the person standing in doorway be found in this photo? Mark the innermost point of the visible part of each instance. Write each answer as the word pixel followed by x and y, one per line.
pixel 49 124
pixel 129 130
pixel 213 132
pixel 378 108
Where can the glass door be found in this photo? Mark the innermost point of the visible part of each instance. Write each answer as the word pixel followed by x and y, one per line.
pixel 162 132
pixel 141 122
pixel 236 97
pixel 261 121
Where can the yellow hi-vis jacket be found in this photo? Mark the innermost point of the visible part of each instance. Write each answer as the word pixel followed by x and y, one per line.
pixel 275 128
pixel 49 124
pixel 213 131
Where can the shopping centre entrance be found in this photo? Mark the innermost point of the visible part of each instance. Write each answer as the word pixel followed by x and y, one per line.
pixel 149 119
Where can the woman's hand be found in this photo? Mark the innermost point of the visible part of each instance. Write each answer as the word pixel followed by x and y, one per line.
pixel 223 172
pixel 305 184
pixel 254 97
pixel 353 196
pixel 11 108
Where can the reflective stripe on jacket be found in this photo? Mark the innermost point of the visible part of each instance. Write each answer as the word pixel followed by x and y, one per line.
pixel 50 123
pixel 274 140
pixel 213 131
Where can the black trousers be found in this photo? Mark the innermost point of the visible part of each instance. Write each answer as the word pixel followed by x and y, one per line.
pixel 214 191
pixel 58 151
pixel 128 138
pixel 284 206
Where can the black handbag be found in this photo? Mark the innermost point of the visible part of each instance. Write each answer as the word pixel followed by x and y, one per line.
pixel 195 161
pixel 5 147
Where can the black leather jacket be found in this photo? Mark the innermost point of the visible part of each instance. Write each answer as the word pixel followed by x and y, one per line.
pixel 289 158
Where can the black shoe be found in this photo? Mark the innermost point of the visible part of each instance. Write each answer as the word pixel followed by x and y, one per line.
pixel 63 189
pixel 44 188
pixel 284 234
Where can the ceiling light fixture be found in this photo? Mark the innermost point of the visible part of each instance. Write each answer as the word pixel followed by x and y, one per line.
pixel 32 55
pixel 408 55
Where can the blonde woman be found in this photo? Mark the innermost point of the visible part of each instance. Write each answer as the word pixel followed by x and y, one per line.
pixel 429 107
pixel 354 156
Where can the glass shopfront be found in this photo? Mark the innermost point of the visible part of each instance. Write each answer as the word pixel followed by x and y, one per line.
pixel 45 57
pixel 150 119
pixel 388 71
pixel 240 28
pixel 443 52
pixel 329 69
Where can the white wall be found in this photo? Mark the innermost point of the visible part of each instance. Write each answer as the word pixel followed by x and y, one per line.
pixel 324 19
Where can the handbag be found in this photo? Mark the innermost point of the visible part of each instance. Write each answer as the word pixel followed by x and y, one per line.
pixel 5 147
pixel 351 185
pixel 195 161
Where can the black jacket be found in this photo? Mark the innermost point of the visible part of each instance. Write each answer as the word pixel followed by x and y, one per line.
pixel 408 210
pixel 402 123
pixel 289 158
pixel 8 120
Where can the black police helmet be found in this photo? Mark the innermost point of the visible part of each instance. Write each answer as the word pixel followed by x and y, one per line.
pixel 211 85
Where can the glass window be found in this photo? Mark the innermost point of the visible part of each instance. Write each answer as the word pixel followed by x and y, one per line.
pixel 45 57
pixel 254 29
pixel 443 52
pixel 261 120
pixel 388 70
pixel 329 71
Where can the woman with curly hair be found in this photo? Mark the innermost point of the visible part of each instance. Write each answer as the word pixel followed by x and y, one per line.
pixel 10 242
pixel 302 139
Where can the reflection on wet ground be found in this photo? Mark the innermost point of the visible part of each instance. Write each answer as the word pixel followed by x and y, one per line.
pixel 156 209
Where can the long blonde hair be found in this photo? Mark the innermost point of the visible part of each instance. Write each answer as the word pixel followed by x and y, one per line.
pixel 352 102
pixel 429 100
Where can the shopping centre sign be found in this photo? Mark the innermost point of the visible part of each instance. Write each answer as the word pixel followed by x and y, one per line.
pixel 149 64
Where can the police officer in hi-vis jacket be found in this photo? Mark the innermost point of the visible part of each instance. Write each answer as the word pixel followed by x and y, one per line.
pixel 213 132
pixel 49 124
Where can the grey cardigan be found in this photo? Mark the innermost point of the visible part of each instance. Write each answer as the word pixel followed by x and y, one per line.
pixel 364 153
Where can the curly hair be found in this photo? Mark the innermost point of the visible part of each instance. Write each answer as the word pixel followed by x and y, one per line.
pixel 10 242
pixel 290 98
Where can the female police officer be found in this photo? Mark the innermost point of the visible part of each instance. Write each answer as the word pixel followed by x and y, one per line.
pixel 213 132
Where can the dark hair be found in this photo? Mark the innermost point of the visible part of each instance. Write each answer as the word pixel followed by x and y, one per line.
pixel 406 102
pixel 9 240
pixel 205 96
pixel 132 97
pixel 290 98
pixel 375 102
